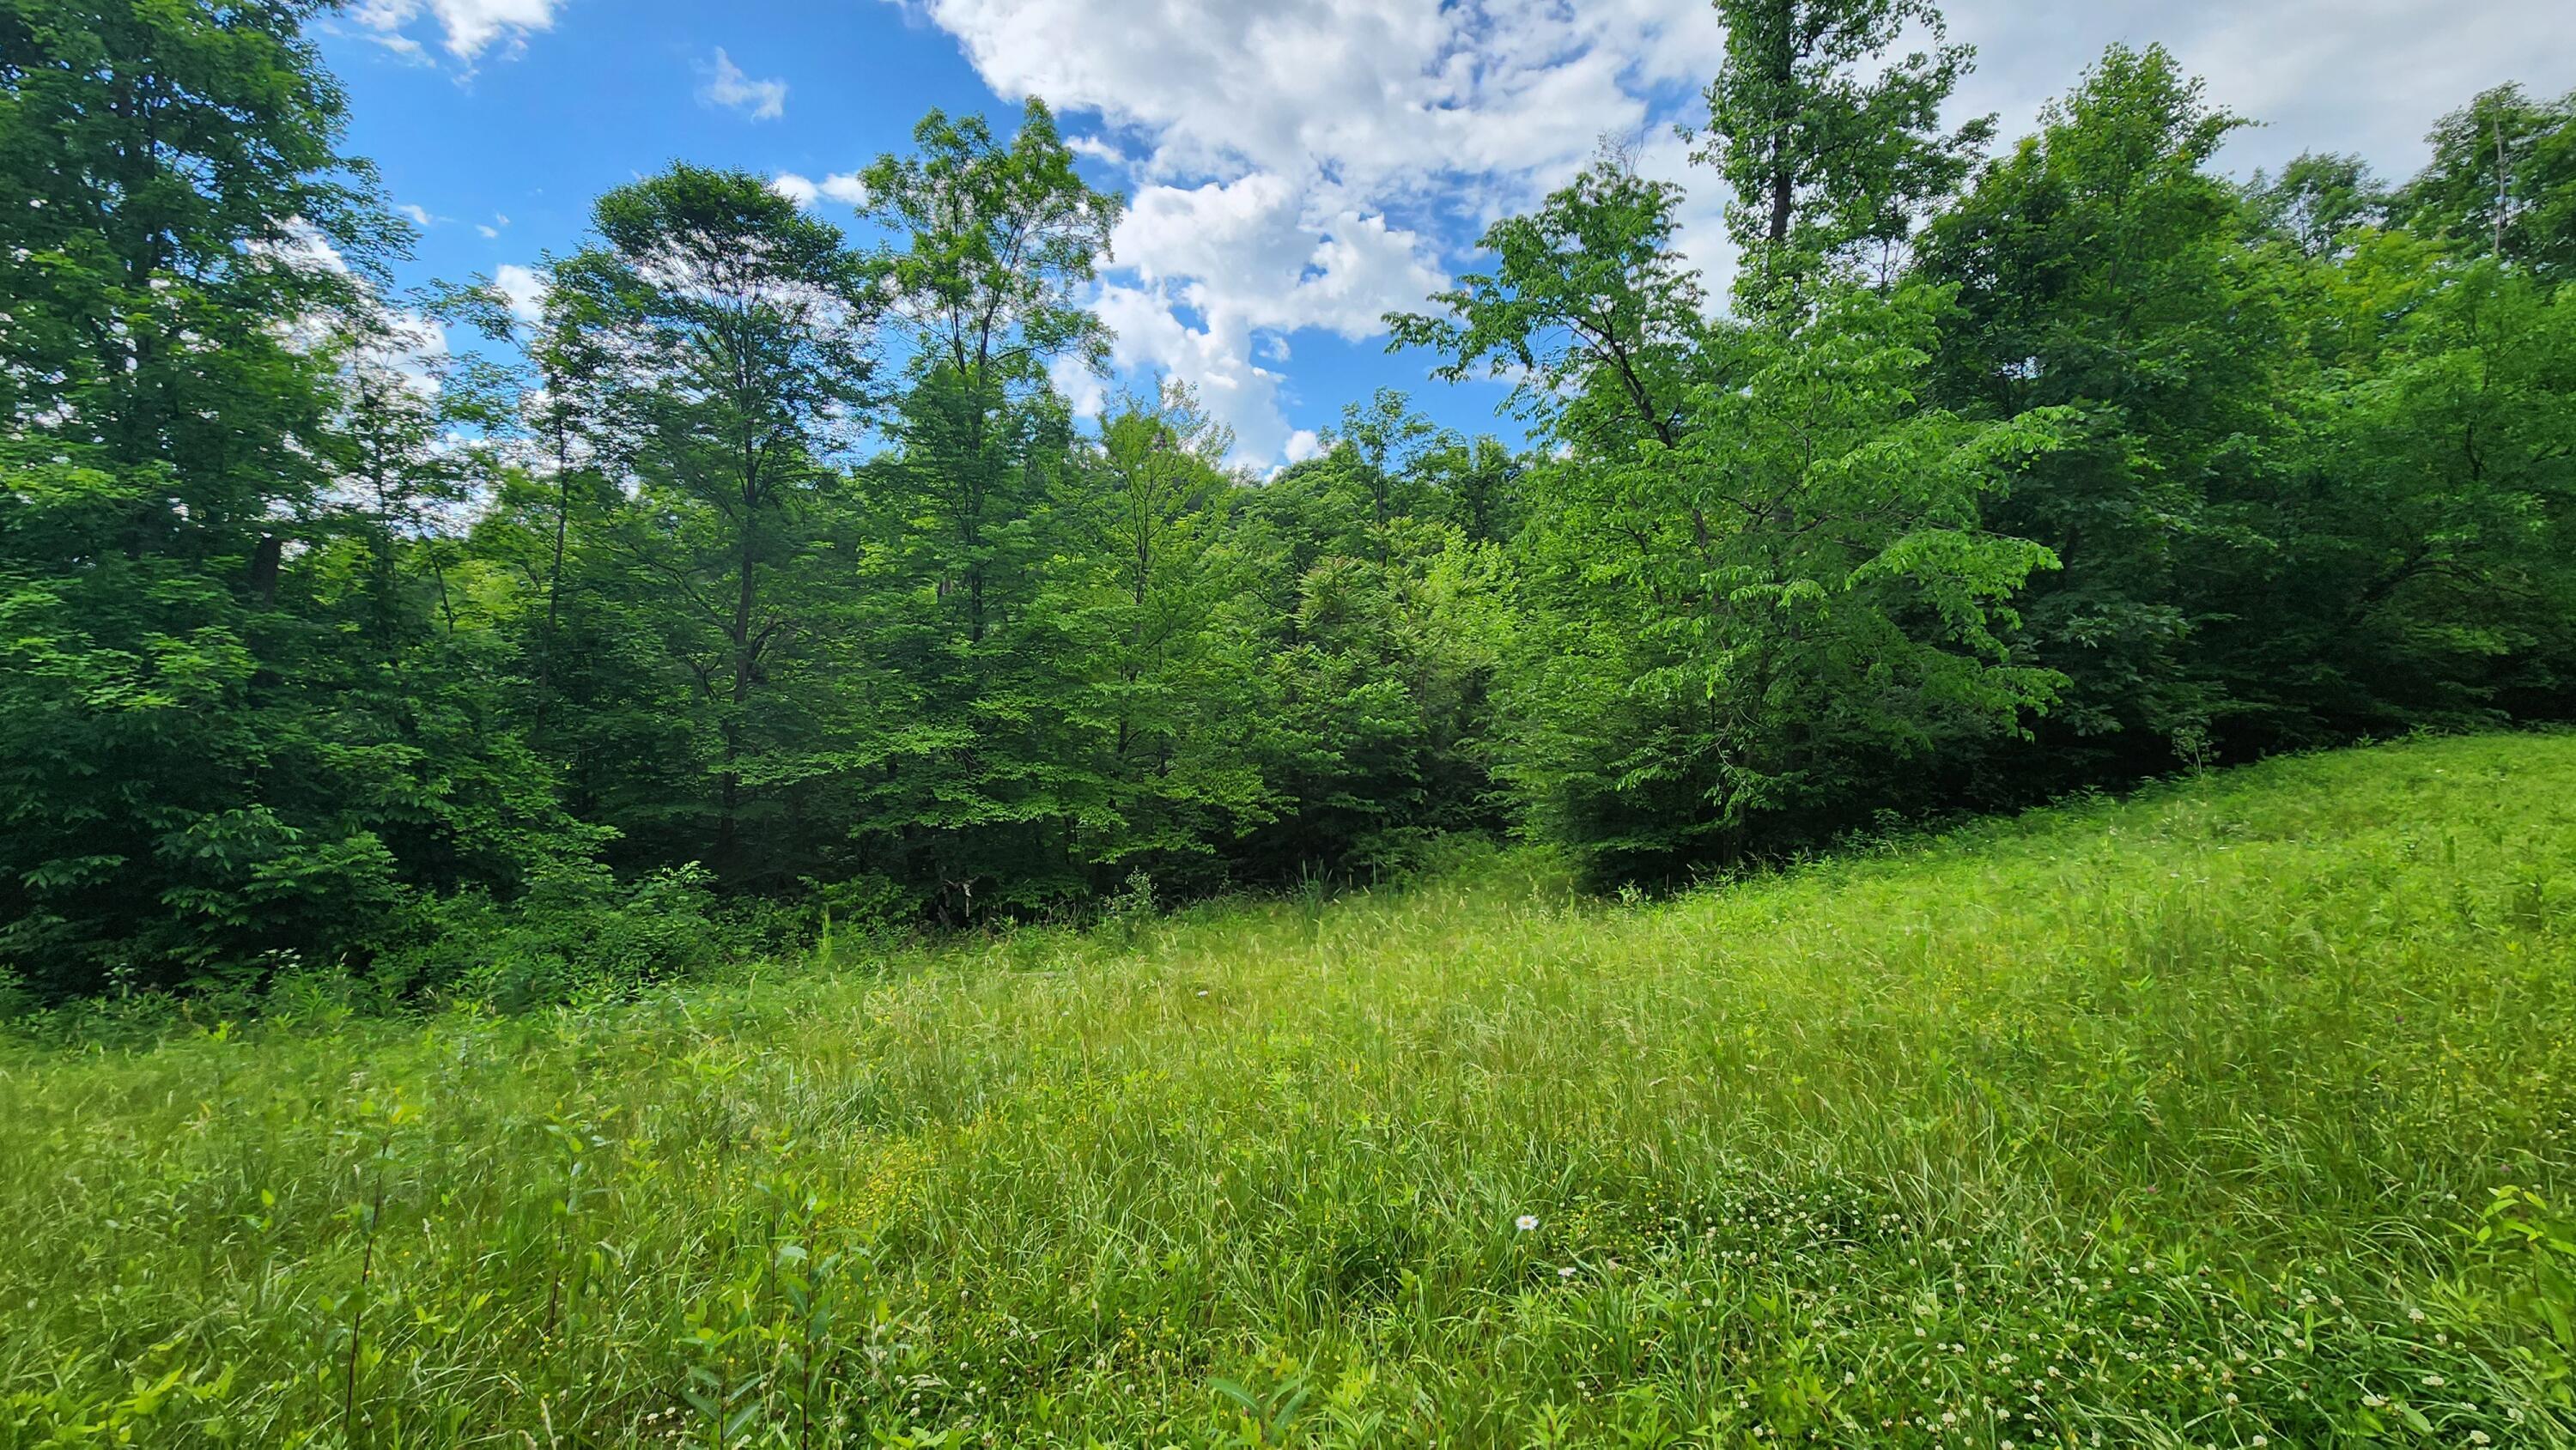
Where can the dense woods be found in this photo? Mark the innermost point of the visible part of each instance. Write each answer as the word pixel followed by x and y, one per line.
pixel 760 575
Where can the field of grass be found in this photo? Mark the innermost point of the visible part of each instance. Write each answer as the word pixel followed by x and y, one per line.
pixel 2238 1114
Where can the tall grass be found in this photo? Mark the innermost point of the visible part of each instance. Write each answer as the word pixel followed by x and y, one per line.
pixel 2238 1114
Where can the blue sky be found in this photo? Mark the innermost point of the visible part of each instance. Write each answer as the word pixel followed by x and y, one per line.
pixel 1296 167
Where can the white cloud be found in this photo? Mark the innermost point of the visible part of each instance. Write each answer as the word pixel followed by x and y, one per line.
pixel 412 349
pixel 1379 93
pixel 525 290
pixel 490 232
pixel 840 186
pixel 419 215
pixel 1260 248
pixel 470 26
pixel 1311 163
pixel 728 86
pixel 1216 356
pixel 1252 259
pixel 1301 161
pixel 2323 75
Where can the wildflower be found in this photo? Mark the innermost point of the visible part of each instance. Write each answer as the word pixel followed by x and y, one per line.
pixel 1566 1273
pixel 2433 1381
pixel 1526 1222
pixel 2415 1316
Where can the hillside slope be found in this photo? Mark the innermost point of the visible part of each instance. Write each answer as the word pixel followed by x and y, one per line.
pixel 2230 1115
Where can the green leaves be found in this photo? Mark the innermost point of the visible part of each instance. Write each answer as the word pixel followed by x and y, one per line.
pixel 1830 151
pixel 997 240
pixel 1756 568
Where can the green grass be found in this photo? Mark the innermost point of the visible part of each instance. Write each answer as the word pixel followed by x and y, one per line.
pixel 2189 1120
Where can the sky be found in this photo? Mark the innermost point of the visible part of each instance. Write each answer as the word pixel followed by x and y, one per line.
pixel 1294 168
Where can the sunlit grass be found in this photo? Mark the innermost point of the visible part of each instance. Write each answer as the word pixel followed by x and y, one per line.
pixel 2177 1121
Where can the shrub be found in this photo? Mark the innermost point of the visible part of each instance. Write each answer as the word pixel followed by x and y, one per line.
pixel 578 933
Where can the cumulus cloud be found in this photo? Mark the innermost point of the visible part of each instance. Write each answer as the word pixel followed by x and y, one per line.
pixel 1315 163
pixel 525 290
pixel 840 186
pixel 470 27
pixel 727 85
pixel 1381 94
pixel 1299 164
pixel 1211 278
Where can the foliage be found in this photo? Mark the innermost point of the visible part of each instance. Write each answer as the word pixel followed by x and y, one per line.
pixel 736 331
pixel 351 648
pixel 576 934
pixel 1755 570
pixel 2502 181
pixel 1828 150
pixel 233 731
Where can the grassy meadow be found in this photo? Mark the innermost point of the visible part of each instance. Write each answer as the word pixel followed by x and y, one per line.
pixel 2235 1114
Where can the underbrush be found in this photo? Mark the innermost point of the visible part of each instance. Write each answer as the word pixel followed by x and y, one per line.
pixel 2235 1114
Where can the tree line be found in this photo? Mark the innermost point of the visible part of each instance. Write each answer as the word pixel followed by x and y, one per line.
pixel 762 575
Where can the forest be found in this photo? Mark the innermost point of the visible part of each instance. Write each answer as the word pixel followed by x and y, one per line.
pixel 755 582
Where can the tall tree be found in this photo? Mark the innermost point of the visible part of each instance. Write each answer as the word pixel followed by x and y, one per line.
pixel 991 244
pixel 2315 200
pixel 215 755
pixel 739 331
pixel 995 241
pixel 1147 601
pixel 2098 268
pixel 2502 181
pixel 1754 566
pixel 1384 612
pixel 1831 152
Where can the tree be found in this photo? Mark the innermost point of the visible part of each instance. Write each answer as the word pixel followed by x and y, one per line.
pixel 2098 269
pixel 1146 600
pixel 738 335
pixel 1384 616
pixel 2422 559
pixel 1829 154
pixel 234 730
pixel 1754 570
pixel 2502 181
pixel 996 240
pixel 991 244
pixel 1588 311
pixel 2315 200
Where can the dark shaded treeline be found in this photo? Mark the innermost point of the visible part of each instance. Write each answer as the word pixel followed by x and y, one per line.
pixel 775 567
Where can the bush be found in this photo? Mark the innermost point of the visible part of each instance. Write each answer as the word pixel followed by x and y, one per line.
pixel 578 934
